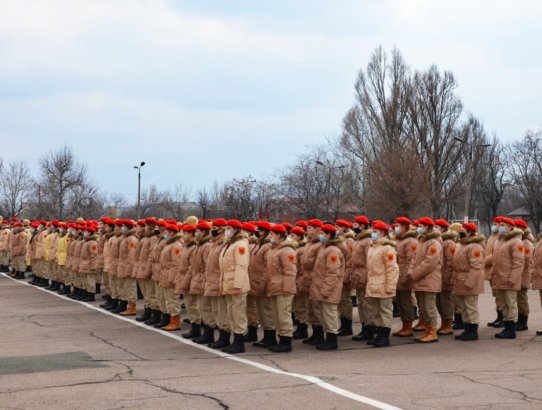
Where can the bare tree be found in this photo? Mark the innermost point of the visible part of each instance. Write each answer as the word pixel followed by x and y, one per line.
pixel 175 202
pixel 16 186
pixel 203 201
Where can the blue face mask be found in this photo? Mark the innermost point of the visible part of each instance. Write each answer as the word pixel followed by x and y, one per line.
pixel 420 230
pixel 322 238
pixel 494 228
pixel 166 236
pixel 502 229
pixel 397 230
pixel 374 236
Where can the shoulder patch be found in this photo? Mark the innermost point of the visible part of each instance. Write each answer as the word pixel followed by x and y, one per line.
pixel 432 250
pixel 452 251
pixel 132 245
pixel 521 248
pixel 291 257
pixel 390 257
pixel 413 247
pixel 527 251
pixel 242 250
pixel 333 258
pixel 476 253
pixel 93 248
pixel 177 250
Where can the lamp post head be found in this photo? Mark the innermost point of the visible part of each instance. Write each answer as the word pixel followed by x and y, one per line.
pixel 142 163
pixel 320 163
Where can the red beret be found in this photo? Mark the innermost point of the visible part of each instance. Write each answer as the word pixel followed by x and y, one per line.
pixel 342 223
pixel 316 223
pixel 128 222
pixel 287 225
pixel 362 220
pixel 379 225
pixel 297 230
pixel 172 227
pixel 151 220
pixel 234 223
pixel 220 222
pixel 203 225
pixel 497 219
pixel 187 228
pixel 141 222
pixel 263 225
pixel 403 220
pixel 442 222
pixel 328 228
pixel 160 222
pixel 249 227
pixel 469 226
pixel 520 223
pixel 302 224
pixel 278 228
pixel 426 221
pixel 506 220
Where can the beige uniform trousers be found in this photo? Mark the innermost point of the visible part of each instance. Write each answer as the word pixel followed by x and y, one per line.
pixel 345 304
pixel 523 302
pixel 469 308
pixel 403 299
pixel 427 303
pixel 206 310
pixel 4 258
pixel 327 314
pixel 220 312
pixel 237 313
pixel 90 282
pixel 365 310
pixel 445 305
pixel 18 263
pixel 510 304
pixel 113 286
pixel 147 289
pixel 173 303
pixel 281 310
pixel 252 311
pixel 160 298
pixel 301 307
pixel 192 308
pixel 498 300
pixel 105 281
pixel 382 309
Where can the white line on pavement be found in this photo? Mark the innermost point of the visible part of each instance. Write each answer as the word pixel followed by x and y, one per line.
pixel 311 379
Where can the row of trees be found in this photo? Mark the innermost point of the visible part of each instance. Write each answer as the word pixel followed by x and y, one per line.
pixel 406 147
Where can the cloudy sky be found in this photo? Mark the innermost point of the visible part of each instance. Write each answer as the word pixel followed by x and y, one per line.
pixel 209 90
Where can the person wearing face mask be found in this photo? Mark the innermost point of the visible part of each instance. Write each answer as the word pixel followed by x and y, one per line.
pixel 360 249
pixel 114 244
pixel 77 279
pixel 257 273
pixel 235 283
pixel 508 265
pixel 307 262
pixel 281 273
pixel 53 271
pixel 62 251
pixel 108 232
pixel 407 244
pixel 300 306
pixel 445 303
pixel 382 278
pixel 523 299
pixel 183 279
pixel 254 236
pixel 425 272
pixel 488 264
pixel 326 286
pixel 536 282
pixel 468 279
pixel 149 238
pixel 127 257
pixel 46 250
pixel 219 309
pixel 160 317
pixel 33 250
pixel 87 264
pixel 345 305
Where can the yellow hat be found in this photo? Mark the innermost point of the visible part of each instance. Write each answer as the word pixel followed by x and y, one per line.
pixel 79 220
pixel 26 222
pixel 191 220
pixel 456 226
pixel 1 218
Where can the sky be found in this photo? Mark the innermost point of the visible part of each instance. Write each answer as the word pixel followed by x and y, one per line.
pixel 206 91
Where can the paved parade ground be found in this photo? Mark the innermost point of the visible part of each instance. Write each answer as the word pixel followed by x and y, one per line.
pixel 58 353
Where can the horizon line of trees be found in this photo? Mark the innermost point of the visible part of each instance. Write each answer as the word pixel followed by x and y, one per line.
pixel 406 147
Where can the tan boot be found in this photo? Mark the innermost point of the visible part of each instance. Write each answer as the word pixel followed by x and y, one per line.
pixel 174 323
pixel 406 331
pixel 420 326
pixel 445 328
pixel 418 338
pixel 130 310
pixel 431 335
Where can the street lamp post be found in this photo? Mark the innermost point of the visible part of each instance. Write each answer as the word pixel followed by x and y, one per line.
pixel 138 167
pixel 337 191
pixel 468 169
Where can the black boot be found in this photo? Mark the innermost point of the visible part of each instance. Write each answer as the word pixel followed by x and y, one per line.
pixel 207 337
pixel 56 286
pixel 222 342
pixel 317 335
pixel 34 280
pixel 89 297
pixel 330 343
pixel 252 334
pixel 82 295
pixel 107 302
pixel 498 322
pixel 382 338
pixel 123 304
pixel 195 332
pixel 113 306
pixel 238 345
pixel 539 332
pixel 144 316
pixel 164 321
pixel 155 318
pixel 458 322
pixel 367 334
pixel 98 289
pixel 49 285
pixel 464 333
pixel 522 323
pixel 416 316
pixel 269 339
pixel 20 275
pixel 509 331
pixel 75 293
pixel 285 345
pixel 470 334
pixel 346 327
pixel 396 310
pixel 301 332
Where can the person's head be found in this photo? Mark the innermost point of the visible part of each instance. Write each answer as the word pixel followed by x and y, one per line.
pixel 468 229
pixel 402 225
pixel 361 223
pixel 379 230
pixel 202 230
pixel 441 225
pixel 219 226
pixel 506 225
pixel 425 225
pixel 297 233
pixel 189 232
pixel 234 228
pixel 313 228
pixel 327 232
pixel 278 234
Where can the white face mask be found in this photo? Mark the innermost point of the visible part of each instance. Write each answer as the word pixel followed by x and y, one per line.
pixel 124 229
pixel 397 230
pixel 228 234
pixel 273 240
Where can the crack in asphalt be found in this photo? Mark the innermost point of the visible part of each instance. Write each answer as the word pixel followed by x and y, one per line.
pixel 204 395
pixel 117 346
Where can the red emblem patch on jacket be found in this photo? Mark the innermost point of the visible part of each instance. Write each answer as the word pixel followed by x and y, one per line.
pixel 390 257
pixel 291 257
pixel 177 251
pixel 452 251
pixel 413 248
pixel 520 248
pixel 527 251
pixel 242 250
pixel 333 259
pixel 476 254
pixel 432 251
pixel 93 248
pixel 131 245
